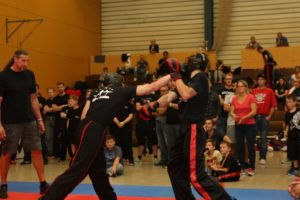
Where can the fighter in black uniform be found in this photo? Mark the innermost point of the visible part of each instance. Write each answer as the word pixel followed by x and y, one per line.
pixel 186 157
pixel 100 109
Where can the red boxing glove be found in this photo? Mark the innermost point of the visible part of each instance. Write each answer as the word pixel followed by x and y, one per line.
pixel 173 65
pixel 147 109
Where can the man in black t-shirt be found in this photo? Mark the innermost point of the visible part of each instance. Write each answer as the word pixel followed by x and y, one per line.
pixel 269 65
pixel 100 109
pixel 121 129
pixel 59 102
pixel 49 116
pixel 186 157
pixel 20 117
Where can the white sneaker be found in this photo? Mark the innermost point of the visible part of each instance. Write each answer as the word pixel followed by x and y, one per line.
pixel 262 161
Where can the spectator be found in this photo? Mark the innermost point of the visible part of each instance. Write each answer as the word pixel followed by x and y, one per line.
pixel 172 120
pixel 73 116
pixel 243 110
pixel 103 74
pixel 145 127
pixel 218 73
pixel 293 76
pixel 281 41
pixel 162 65
pixel 214 105
pixel 49 115
pixel 269 65
pixel 230 121
pixel 113 157
pixel 296 90
pixel 212 156
pixel 160 126
pixel 292 132
pixel 281 90
pixel 59 102
pixel 121 129
pixel 20 117
pixel 213 134
pixel 153 47
pixel 226 89
pixel 141 70
pixel 252 44
pixel 229 169
pixel 266 105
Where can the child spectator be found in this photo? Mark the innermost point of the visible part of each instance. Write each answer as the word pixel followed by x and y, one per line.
pixel 229 169
pixel 113 157
pixel 292 131
pixel 73 115
pixel 212 156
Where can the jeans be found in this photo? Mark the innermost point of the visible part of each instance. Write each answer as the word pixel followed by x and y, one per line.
pixel 262 126
pixel 172 134
pixel 119 170
pixel 245 131
pixel 162 139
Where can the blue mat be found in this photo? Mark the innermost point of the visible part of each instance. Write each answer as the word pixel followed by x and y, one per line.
pixel 158 191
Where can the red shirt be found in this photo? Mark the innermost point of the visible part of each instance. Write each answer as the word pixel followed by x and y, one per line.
pixel 243 109
pixel 265 100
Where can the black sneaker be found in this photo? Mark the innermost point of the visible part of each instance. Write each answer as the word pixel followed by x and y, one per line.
pixel 3 192
pixel 44 187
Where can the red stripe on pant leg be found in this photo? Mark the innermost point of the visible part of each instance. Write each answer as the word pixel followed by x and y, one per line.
pixel 193 162
pixel 82 135
pixel 81 138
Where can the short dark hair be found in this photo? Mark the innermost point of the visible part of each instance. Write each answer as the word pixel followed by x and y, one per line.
pixel 60 83
pixel 109 137
pixel 291 97
pixel 211 141
pixel 210 119
pixel 227 143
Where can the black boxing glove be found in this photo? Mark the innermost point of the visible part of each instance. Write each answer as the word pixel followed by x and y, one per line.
pixel 175 76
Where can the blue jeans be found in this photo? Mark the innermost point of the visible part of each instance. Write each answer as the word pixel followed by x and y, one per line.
pixel 172 133
pixel 262 126
pixel 247 131
pixel 162 139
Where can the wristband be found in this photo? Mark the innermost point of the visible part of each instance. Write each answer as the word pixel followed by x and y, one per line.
pixel 39 119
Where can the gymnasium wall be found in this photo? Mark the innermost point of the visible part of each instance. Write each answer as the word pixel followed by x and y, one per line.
pixel 128 26
pixel 262 19
pixel 61 46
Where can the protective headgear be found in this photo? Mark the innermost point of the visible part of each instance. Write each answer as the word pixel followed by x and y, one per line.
pixel 173 65
pixel 113 79
pixel 198 61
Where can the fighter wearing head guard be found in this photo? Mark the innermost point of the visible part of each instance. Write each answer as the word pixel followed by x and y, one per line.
pixel 100 109
pixel 186 161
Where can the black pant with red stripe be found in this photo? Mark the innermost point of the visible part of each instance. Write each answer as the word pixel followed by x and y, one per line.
pixel 88 160
pixel 268 73
pixel 186 166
